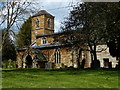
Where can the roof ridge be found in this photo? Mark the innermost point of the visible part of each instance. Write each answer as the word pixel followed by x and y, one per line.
pixel 42 12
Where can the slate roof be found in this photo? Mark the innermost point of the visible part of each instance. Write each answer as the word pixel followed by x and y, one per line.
pixel 53 34
pixel 42 12
pixel 21 49
pixel 39 55
pixel 50 46
pixel 47 35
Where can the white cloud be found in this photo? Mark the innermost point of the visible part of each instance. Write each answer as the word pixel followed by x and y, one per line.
pixel 57 9
pixel 50 1
pixel 57 26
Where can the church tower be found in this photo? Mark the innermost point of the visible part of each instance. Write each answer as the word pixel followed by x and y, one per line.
pixel 42 23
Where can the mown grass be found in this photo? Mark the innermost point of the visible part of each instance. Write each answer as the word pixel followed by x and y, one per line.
pixel 59 78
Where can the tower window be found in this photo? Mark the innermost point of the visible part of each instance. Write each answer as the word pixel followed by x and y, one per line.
pixel 49 22
pixel 44 41
pixel 53 40
pixel 37 23
pixel 57 57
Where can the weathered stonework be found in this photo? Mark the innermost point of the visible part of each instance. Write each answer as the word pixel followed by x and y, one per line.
pixel 48 54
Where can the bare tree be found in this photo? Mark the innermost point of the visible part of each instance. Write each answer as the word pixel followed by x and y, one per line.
pixel 13 12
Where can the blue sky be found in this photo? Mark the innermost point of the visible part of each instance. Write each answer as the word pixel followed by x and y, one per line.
pixel 52 5
pixel 57 8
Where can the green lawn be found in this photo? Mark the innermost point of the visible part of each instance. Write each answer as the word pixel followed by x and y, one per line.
pixel 59 78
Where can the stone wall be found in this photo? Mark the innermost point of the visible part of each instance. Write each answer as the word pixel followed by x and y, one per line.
pixel 68 57
pixel 103 53
pixel 43 28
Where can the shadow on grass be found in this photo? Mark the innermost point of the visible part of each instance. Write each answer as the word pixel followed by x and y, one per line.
pixel 60 89
pixel 65 71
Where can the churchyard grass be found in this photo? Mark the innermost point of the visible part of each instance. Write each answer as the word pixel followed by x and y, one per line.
pixel 59 78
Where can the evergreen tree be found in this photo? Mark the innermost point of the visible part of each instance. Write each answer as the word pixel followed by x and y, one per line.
pixel 24 35
pixel 8 49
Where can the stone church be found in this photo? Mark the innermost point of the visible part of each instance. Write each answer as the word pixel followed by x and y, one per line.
pixel 45 52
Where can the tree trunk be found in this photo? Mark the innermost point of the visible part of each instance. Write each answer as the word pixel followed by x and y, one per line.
pixel 95 63
pixel 78 58
pixel 94 53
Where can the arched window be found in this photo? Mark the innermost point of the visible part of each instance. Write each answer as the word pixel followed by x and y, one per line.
pixel 37 23
pixel 44 41
pixel 49 22
pixel 57 56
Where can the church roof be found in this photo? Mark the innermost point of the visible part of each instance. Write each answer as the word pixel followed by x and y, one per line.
pixel 47 35
pixel 39 55
pixel 49 46
pixel 51 34
pixel 42 12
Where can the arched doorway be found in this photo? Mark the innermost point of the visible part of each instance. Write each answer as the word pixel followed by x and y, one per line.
pixel 29 61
